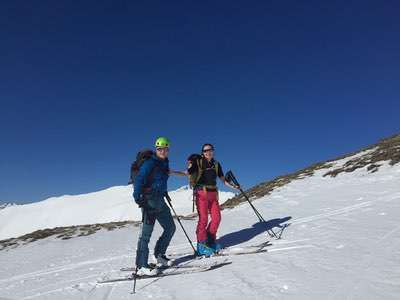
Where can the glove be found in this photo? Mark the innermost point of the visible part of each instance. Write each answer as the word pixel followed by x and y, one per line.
pixel 141 202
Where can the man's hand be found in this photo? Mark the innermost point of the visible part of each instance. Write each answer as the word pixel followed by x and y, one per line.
pixel 140 201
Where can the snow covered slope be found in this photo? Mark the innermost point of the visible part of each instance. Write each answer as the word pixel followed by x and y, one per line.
pixel 343 242
pixel 111 205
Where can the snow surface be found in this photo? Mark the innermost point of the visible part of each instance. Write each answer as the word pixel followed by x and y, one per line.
pixel 343 243
pixel 341 162
pixel 111 205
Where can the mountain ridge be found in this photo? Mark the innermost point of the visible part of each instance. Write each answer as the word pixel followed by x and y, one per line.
pixel 387 149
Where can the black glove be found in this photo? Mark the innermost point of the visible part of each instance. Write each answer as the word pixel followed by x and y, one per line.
pixel 145 206
pixel 141 201
pixel 149 214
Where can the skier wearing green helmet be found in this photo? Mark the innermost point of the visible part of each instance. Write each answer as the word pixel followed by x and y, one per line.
pixel 162 142
pixel 150 185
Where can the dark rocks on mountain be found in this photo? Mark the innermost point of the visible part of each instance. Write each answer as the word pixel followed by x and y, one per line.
pixel 5 205
pixel 386 150
pixel 63 233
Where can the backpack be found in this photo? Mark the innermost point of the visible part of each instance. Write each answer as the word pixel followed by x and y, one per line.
pixel 141 157
pixel 197 160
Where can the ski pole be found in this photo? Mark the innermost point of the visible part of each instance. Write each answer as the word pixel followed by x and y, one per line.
pixel 136 261
pixel 260 217
pixel 193 202
pixel 179 221
pixel 134 280
pixel 231 177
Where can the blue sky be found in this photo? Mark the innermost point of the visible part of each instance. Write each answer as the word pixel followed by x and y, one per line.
pixel 275 85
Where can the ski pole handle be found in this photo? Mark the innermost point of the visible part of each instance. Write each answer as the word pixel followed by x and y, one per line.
pixel 232 178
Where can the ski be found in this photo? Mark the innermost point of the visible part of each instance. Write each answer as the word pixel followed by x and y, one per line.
pixel 223 252
pixel 244 250
pixel 232 250
pixel 231 253
pixel 132 269
pixel 172 272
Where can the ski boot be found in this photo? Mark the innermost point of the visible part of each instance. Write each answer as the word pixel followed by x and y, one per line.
pixel 146 271
pixel 163 261
pixel 213 244
pixel 203 249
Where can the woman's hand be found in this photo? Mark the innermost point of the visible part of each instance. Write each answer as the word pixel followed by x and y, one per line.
pixel 228 184
pixel 234 186
pixel 178 173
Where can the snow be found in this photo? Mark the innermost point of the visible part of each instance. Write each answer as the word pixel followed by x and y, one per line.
pixel 110 205
pixel 341 162
pixel 343 243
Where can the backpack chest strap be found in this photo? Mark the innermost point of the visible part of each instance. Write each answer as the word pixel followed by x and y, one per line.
pixel 200 173
pixel 201 169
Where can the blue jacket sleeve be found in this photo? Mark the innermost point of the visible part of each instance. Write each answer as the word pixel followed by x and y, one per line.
pixel 142 177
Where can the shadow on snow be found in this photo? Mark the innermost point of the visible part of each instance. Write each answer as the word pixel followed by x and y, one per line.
pixel 246 234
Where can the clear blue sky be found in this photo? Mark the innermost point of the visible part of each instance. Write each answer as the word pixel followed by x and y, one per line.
pixel 276 85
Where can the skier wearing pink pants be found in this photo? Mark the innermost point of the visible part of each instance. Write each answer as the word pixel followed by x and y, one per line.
pixel 207 201
pixel 205 170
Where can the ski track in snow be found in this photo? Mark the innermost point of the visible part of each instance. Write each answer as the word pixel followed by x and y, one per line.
pixel 60 269
pixel 370 259
pixel 67 284
pixel 72 266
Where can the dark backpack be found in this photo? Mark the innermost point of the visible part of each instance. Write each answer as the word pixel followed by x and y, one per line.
pixel 141 157
pixel 196 160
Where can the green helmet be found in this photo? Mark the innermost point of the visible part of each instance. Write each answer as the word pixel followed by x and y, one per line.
pixel 162 142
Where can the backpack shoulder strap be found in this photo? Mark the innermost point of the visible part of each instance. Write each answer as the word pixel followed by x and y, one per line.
pixel 152 173
pixel 199 169
pixel 155 168
pixel 216 167
pixel 200 163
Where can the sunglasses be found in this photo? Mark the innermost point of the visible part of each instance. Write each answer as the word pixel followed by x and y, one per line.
pixel 208 150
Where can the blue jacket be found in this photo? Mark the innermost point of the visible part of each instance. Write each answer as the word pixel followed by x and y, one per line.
pixel 160 176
